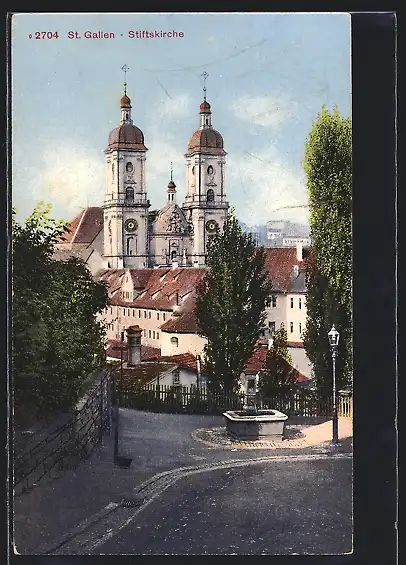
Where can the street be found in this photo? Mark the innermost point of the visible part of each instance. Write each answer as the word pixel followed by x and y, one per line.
pixel 292 501
pixel 284 507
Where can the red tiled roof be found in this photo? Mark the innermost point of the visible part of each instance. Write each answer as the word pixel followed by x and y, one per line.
pixel 183 323
pixel 85 227
pixel 186 360
pixel 162 286
pixel 279 264
pixel 140 277
pixel 148 353
pixel 257 362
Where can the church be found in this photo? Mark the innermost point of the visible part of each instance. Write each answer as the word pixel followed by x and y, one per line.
pixel 125 233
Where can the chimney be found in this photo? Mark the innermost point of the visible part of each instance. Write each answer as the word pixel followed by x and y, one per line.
pixel 299 251
pixel 134 346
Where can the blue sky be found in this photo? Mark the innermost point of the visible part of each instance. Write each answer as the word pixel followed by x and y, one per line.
pixel 269 75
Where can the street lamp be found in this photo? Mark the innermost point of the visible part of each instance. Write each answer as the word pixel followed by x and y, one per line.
pixel 333 338
pixel 198 362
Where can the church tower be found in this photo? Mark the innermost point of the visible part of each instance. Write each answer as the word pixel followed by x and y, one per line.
pixel 206 203
pixel 125 204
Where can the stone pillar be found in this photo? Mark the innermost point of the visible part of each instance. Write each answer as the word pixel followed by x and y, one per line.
pixel 134 345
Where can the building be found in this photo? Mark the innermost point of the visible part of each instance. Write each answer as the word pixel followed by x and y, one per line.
pixel 152 261
pixel 282 233
pixel 124 233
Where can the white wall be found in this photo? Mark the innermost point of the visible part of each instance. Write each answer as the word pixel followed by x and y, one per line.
pixel 300 361
pixel 296 316
pixel 187 343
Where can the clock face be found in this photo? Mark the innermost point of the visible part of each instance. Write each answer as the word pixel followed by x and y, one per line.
pixel 211 226
pixel 129 167
pixel 131 225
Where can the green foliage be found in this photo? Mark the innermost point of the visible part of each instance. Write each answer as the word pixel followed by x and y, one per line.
pixel 55 331
pixel 328 167
pixel 230 303
pixel 278 374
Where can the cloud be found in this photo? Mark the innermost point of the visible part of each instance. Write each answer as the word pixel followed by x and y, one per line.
pixel 267 111
pixel 72 176
pixel 267 188
pixel 171 106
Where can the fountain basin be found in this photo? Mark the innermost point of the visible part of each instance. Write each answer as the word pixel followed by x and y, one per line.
pixel 242 425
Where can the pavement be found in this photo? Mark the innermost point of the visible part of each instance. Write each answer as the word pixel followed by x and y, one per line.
pixel 166 448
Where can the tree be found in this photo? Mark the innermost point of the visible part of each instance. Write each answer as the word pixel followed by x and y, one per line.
pixel 55 332
pixel 230 303
pixel 278 374
pixel 328 167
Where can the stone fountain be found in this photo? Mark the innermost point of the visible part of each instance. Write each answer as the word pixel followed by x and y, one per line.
pixel 253 423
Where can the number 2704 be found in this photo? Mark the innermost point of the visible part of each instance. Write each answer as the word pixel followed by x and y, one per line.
pixel 46 35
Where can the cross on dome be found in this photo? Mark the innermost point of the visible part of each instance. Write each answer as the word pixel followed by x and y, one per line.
pixel 124 68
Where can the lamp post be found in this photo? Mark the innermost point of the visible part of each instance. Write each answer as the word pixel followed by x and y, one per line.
pixel 198 361
pixel 115 398
pixel 333 338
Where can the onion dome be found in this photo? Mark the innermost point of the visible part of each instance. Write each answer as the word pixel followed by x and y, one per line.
pixel 125 102
pixel 205 107
pixel 171 186
pixel 126 136
pixel 206 139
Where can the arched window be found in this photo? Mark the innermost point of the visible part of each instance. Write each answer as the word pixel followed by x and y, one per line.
pixel 129 193
pixel 112 171
pixel 129 245
pixel 210 195
pixel 175 341
pixel 173 254
pixel 210 170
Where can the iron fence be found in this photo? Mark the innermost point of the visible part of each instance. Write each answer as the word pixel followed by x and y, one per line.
pixel 182 399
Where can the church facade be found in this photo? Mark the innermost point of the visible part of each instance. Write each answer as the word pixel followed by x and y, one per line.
pixel 129 234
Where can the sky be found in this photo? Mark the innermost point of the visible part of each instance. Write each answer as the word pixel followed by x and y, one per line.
pixel 268 77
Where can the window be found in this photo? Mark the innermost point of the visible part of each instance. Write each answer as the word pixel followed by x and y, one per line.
pixel 133 313
pixel 145 314
pixel 271 326
pixel 176 375
pixel 153 334
pixel 300 328
pixel 250 385
pixel 139 313
pixel 210 170
pixel 157 315
pixel 291 327
pixel 273 301
pixel 291 302
pixel 149 333
pixel 300 303
pixel 145 333
pixel 175 341
pixel 129 193
pixel 149 315
pixel 111 310
pixel 129 242
pixel 112 171
pixel 164 316
pixel 157 335
pixel 210 195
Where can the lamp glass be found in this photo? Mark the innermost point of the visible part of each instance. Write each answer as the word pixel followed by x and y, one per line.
pixel 333 336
